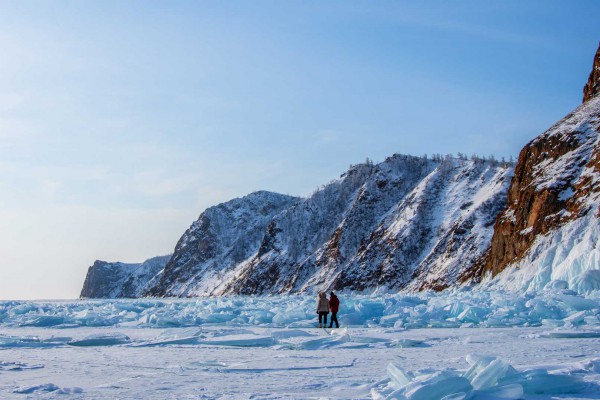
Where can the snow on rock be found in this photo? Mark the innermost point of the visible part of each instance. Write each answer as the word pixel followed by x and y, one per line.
pixel 216 245
pixel 408 222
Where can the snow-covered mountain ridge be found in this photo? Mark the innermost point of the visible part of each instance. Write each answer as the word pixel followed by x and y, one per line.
pixel 406 223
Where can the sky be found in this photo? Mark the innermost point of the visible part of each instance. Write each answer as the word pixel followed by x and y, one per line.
pixel 121 121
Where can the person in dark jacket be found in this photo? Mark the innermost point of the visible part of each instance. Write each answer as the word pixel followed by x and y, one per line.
pixel 322 309
pixel 334 306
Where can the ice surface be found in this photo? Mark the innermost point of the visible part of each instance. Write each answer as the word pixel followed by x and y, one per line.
pixel 282 363
pixel 553 306
pixel 549 350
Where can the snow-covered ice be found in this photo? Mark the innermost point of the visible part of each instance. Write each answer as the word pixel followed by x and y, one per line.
pixel 461 345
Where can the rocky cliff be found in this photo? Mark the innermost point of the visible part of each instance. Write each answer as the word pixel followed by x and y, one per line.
pixel 117 279
pixel 556 182
pixel 592 87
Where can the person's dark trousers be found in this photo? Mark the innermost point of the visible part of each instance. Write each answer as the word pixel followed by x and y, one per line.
pixel 323 315
pixel 333 319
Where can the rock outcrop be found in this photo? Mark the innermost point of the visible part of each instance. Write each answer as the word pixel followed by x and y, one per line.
pixel 556 181
pixel 117 279
pixel 592 87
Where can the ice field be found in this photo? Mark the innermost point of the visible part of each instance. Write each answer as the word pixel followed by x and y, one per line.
pixel 462 345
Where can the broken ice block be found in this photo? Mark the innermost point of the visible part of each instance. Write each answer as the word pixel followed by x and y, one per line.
pixel 489 376
pixel 103 339
pixel 539 381
pixel 438 386
pixel 398 376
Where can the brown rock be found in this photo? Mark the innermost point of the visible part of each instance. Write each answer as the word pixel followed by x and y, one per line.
pixel 592 87
pixel 553 181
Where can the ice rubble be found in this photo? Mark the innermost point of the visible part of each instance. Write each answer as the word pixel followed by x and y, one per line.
pixel 488 377
pixel 568 257
pixel 553 307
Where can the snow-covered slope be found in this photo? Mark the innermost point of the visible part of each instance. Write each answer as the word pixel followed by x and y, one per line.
pixel 223 237
pixel 408 222
pixel 117 279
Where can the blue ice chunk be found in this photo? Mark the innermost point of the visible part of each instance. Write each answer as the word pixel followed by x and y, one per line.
pixel 587 281
pixel 556 285
pixel 572 334
pixel 539 381
pixel 489 375
pixel 44 320
pixel 324 343
pixel 438 386
pixel 398 375
pixel 24 341
pixel 577 303
pixel 473 314
pixel 284 318
pixel 512 391
pixel 103 339
pixel 174 337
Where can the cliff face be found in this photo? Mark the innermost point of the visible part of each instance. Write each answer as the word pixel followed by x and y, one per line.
pixel 592 87
pixel 116 279
pixel 556 181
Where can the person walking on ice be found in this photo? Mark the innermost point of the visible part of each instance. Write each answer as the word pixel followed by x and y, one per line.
pixel 322 309
pixel 334 306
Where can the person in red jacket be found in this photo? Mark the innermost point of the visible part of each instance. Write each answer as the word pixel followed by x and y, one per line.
pixel 334 306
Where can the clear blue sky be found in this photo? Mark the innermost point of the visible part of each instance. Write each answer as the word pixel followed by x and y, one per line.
pixel 120 121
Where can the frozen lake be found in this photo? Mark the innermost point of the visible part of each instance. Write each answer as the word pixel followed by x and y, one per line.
pixel 544 345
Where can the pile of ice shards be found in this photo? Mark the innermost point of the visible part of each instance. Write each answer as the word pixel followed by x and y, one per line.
pixel 487 378
pixel 554 307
